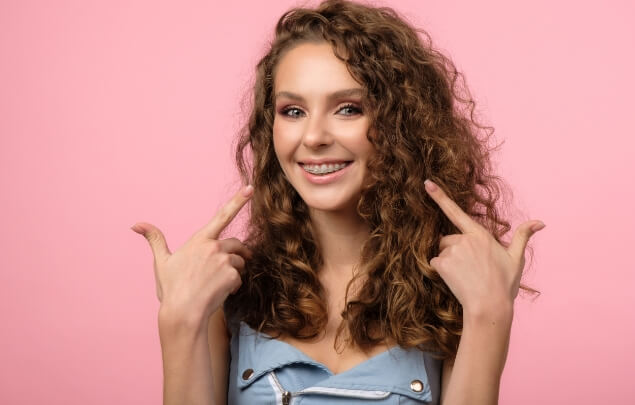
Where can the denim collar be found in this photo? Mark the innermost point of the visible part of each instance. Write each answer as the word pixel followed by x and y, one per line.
pixel 396 370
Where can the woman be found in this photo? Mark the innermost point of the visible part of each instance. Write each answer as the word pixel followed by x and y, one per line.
pixel 360 280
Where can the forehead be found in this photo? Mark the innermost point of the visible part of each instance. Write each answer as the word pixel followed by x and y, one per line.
pixel 312 69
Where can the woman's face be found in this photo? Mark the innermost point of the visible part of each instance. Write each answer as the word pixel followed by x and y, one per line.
pixel 318 120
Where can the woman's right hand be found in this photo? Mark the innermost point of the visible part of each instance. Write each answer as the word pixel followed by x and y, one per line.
pixel 194 281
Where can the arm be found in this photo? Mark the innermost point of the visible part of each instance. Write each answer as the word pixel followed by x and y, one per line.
pixel 192 284
pixel 484 276
pixel 218 338
pixel 193 372
pixel 474 378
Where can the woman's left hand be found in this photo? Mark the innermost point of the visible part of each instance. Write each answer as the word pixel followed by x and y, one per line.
pixel 482 274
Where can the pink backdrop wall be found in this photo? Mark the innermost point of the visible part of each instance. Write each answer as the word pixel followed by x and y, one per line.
pixel 113 112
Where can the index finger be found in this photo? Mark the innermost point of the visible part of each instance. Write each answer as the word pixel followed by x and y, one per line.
pixel 450 208
pixel 227 213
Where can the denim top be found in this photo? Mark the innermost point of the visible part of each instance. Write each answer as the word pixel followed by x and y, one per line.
pixel 269 371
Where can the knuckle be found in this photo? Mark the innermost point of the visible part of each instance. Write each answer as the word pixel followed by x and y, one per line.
pixel 224 259
pixel 153 236
pixel 213 247
pixel 234 278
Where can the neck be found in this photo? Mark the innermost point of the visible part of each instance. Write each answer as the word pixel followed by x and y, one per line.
pixel 340 236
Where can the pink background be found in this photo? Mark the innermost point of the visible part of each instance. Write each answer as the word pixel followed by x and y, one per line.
pixel 113 112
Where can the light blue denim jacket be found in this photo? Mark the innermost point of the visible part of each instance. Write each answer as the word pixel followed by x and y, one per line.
pixel 269 371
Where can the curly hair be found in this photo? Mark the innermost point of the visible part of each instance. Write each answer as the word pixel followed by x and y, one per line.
pixel 422 126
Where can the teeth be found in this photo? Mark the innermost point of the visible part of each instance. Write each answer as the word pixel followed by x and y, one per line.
pixel 324 168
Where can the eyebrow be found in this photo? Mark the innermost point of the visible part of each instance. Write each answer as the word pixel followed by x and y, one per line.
pixel 357 91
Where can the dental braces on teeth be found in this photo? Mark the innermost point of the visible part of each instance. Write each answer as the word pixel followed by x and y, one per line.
pixel 324 168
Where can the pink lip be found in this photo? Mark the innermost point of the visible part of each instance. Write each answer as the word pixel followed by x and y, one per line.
pixel 326 178
pixel 322 161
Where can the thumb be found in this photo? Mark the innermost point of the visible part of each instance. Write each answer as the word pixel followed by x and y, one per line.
pixel 519 241
pixel 155 238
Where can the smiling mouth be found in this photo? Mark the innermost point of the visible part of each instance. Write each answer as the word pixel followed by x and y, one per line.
pixel 324 168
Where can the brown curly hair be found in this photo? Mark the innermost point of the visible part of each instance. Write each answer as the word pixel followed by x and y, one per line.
pixel 422 126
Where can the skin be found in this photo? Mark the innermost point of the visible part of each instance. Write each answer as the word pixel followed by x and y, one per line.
pixel 313 121
pixel 191 285
pixel 317 126
pixel 485 278
pixel 193 282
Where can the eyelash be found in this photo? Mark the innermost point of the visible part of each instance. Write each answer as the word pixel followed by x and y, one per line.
pixel 285 110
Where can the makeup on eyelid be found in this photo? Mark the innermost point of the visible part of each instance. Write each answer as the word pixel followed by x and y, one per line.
pixel 320 129
pixel 286 109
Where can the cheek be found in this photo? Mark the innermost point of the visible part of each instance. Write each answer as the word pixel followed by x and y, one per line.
pixel 356 138
pixel 282 140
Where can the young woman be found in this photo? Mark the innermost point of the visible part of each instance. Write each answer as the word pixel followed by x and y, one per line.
pixel 374 269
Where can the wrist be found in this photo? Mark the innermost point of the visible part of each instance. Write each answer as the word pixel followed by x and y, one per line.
pixel 501 313
pixel 175 318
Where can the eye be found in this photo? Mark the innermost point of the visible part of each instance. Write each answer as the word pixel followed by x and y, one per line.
pixel 353 109
pixel 285 112
pixel 295 112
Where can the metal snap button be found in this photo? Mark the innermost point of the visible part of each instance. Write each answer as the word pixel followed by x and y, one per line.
pixel 416 386
pixel 247 374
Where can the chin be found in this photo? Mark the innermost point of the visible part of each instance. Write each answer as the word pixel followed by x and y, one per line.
pixel 329 204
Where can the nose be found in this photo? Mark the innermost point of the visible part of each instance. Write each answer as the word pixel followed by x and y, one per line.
pixel 316 134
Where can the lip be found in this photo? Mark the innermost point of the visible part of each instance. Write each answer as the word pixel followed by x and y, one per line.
pixel 323 161
pixel 326 178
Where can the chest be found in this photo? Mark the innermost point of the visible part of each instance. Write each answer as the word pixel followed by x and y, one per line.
pixel 328 348
pixel 337 358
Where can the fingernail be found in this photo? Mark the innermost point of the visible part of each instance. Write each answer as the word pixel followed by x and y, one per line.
pixel 248 190
pixel 430 186
pixel 538 226
pixel 137 229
